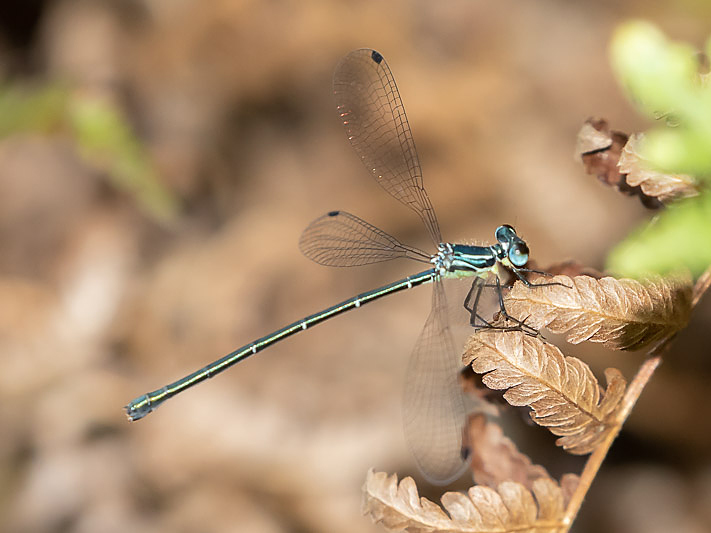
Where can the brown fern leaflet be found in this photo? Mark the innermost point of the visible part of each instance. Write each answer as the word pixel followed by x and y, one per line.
pixel 623 314
pixel 509 508
pixel 562 391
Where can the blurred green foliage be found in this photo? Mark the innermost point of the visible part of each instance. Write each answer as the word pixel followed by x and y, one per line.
pixel 106 140
pixel 664 78
pixel 38 110
pixel 101 134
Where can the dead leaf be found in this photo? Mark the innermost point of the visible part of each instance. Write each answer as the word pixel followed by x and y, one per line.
pixel 623 314
pixel 510 508
pixel 495 458
pixel 599 149
pixel 562 391
pixel 639 173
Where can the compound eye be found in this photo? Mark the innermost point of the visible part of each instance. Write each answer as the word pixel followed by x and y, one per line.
pixel 505 233
pixel 518 254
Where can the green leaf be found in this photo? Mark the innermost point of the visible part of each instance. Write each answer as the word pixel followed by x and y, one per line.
pixel 680 151
pixel 663 78
pixel 653 70
pixel 680 238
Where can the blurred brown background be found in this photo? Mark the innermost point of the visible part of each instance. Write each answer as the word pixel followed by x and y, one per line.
pixel 126 266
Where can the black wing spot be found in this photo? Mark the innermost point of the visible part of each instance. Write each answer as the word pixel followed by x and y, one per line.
pixel 333 213
pixel 376 57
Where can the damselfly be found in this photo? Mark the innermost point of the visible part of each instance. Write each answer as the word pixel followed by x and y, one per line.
pixel 372 112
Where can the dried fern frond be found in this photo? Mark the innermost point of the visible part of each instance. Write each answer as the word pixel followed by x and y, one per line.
pixel 623 314
pixel 495 458
pixel 562 391
pixel 666 187
pixel 510 508
pixel 616 161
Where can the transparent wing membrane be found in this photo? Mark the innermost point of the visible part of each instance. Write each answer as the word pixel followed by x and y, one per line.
pixel 341 239
pixel 434 407
pixel 372 112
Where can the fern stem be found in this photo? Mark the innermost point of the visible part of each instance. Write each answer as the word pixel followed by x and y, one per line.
pixel 701 286
pixel 597 457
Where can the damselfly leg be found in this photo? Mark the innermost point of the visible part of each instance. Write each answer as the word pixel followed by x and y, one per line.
pixel 473 299
pixel 477 321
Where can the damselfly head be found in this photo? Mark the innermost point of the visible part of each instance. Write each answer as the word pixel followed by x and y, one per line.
pixel 514 248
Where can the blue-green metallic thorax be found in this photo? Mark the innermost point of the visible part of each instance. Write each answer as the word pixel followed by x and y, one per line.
pixel 462 260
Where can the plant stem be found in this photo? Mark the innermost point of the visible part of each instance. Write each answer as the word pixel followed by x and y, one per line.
pixel 701 286
pixel 596 458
